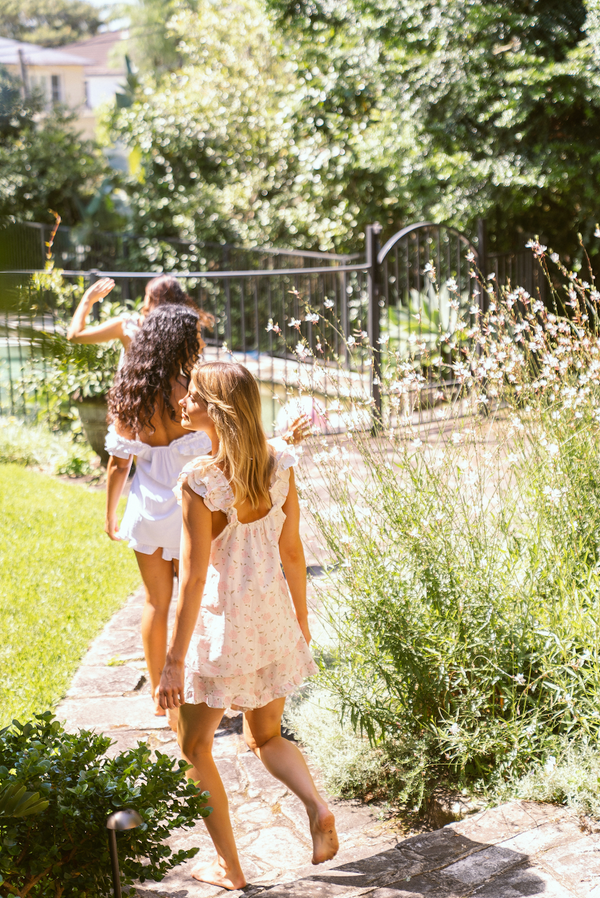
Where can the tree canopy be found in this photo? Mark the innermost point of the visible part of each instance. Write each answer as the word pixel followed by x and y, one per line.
pixel 49 24
pixel 500 101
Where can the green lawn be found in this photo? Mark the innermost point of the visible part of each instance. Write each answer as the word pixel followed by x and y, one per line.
pixel 60 580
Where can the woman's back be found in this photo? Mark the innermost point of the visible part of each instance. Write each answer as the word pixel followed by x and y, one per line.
pixel 246 620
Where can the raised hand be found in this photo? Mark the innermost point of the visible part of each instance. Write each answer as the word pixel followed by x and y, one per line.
pixel 298 430
pixel 98 290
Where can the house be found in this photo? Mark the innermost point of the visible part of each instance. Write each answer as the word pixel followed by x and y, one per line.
pixel 104 70
pixel 57 74
pixel 80 76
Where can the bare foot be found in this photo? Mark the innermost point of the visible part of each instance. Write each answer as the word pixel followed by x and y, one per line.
pixel 219 876
pixel 158 711
pixel 324 836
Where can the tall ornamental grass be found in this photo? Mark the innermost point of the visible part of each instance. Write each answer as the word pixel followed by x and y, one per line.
pixel 462 594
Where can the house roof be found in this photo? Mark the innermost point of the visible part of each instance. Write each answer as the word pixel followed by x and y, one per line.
pixel 33 54
pixel 97 53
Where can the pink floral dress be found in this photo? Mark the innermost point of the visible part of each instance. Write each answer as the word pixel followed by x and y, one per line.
pixel 247 648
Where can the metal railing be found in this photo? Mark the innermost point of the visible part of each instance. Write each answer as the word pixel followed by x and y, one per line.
pixel 301 324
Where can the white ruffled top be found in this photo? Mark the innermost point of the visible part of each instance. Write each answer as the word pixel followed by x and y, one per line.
pixel 152 519
pixel 246 619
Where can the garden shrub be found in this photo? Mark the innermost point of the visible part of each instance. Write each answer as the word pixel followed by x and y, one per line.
pixel 39 446
pixel 463 594
pixel 63 851
pixel 62 373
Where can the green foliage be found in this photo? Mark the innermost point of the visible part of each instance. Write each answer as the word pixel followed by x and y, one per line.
pixel 46 165
pixel 37 445
pixel 571 776
pixel 152 46
pixel 64 849
pixel 33 21
pixel 63 372
pixel 16 801
pixel 61 579
pixel 233 159
pixel 481 108
pixel 463 596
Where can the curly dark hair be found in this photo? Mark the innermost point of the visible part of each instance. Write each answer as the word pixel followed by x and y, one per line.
pixel 165 347
pixel 166 290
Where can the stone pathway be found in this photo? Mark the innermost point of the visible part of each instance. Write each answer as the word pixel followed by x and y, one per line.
pixel 519 849
pixel 110 693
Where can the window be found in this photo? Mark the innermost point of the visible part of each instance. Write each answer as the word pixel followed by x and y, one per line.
pixel 56 89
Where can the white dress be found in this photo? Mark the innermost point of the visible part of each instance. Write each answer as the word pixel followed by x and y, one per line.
pixel 152 519
pixel 247 647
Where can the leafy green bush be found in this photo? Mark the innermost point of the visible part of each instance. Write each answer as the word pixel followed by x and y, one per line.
pixel 463 597
pixel 63 851
pixel 63 373
pixel 36 444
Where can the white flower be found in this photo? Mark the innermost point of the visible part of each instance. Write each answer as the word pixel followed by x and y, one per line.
pixel 554 256
pixel 554 495
pixel 454 729
pixel 520 679
pixel 491 276
pixel 416 443
pixel 329 303
pixel 457 437
pixel 294 322
pixel 429 269
pixel 452 285
pixel 312 318
pixel 474 310
pixel 470 257
pixel 301 350
pixel 350 341
pixel 550 761
pixel 597 231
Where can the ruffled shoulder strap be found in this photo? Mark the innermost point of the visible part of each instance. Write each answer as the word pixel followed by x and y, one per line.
pixel 120 446
pixel 285 458
pixel 208 481
pixel 131 325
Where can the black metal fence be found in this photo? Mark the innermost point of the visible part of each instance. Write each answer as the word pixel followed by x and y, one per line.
pixel 298 320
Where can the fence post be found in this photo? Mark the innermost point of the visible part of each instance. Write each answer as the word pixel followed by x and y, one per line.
pixel 374 318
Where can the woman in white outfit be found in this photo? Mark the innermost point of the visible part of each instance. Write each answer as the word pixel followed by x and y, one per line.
pixel 146 423
pixel 162 290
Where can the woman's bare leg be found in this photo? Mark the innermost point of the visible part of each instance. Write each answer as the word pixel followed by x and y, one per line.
pixel 197 725
pixel 284 760
pixel 157 575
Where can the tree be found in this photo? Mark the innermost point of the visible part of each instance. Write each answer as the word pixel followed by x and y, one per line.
pixel 46 164
pixel 51 25
pixel 499 101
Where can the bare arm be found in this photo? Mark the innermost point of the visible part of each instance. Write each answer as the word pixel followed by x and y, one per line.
pixel 116 477
pixel 193 565
pixel 110 330
pixel 292 557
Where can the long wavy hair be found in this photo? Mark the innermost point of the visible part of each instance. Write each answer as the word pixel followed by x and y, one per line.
pixel 166 290
pixel 165 347
pixel 233 403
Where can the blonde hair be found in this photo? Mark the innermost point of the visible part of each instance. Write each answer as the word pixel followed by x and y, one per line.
pixel 233 403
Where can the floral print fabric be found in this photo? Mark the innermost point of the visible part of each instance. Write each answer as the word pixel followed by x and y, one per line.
pixel 247 648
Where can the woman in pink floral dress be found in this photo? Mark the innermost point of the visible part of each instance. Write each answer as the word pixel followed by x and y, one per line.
pixel 241 634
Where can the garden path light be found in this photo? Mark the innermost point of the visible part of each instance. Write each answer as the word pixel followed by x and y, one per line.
pixel 119 822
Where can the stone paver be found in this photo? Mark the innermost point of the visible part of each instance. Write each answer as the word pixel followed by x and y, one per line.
pixel 516 850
